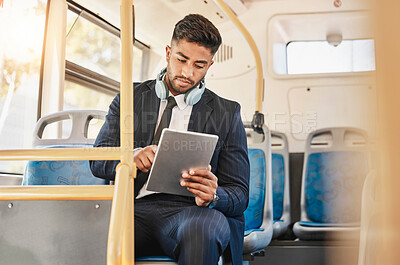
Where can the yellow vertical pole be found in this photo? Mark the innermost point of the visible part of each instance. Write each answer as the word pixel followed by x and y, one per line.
pixel 118 215
pixel 121 238
pixel 128 237
pixel 387 23
pixel 126 100
pixel 126 124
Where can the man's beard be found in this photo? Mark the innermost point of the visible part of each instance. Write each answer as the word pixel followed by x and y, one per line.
pixel 171 85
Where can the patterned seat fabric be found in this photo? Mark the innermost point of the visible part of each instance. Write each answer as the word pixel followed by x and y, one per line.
pixel 278 184
pixel 333 184
pixel 73 172
pixel 254 212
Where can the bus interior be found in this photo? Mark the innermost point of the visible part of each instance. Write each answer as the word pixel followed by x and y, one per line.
pixel 306 75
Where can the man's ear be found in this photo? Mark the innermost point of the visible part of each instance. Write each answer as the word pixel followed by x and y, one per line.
pixel 167 53
pixel 211 63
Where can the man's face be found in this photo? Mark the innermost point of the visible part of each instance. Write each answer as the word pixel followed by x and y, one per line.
pixel 188 63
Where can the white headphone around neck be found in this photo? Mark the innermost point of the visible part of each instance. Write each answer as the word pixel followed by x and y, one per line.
pixel 192 96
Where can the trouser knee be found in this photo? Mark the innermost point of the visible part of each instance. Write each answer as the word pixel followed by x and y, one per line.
pixel 211 233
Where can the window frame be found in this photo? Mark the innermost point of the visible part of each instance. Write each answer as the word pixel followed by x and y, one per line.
pixel 88 78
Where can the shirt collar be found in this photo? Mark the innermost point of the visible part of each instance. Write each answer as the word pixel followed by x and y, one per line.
pixel 180 101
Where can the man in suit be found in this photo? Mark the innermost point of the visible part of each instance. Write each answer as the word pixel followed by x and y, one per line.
pixel 191 230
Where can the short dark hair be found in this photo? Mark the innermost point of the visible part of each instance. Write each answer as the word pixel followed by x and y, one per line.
pixel 198 29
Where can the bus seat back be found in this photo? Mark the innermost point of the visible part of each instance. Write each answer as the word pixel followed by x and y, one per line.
pixel 258 215
pixel 75 172
pixel 280 182
pixel 336 165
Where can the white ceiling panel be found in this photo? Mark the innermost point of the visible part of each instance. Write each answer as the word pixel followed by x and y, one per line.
pixel 155 19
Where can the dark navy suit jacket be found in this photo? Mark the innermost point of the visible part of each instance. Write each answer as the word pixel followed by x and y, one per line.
pixel 213 115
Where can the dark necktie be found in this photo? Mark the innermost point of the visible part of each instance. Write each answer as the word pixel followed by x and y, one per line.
pixel 142 177
pixel 165 119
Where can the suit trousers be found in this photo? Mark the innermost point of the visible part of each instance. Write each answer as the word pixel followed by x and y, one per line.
pixel 175 226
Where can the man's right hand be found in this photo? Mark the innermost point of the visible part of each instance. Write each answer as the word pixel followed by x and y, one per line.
pixel 144 157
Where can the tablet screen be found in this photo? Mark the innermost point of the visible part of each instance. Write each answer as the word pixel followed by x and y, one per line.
pixel 179 151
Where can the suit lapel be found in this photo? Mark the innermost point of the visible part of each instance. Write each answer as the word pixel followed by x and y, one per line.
pixel 149 113
pixel 201 113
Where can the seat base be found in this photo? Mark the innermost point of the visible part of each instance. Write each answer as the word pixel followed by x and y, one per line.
pixel 326 232
pixel 280 227
pixel 257 240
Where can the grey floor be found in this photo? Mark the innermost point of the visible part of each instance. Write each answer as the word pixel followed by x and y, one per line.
pixel 308 253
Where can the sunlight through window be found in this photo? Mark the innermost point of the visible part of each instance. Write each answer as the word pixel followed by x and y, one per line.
pixel 22 26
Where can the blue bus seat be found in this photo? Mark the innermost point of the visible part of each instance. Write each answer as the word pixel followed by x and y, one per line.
pixel 335 166
pixel 159 260
pixel 259 213
pixel 280 182
pixel 73 172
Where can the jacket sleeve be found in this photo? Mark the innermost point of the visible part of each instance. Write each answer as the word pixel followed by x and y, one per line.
pixel 233 170
pixel 109 136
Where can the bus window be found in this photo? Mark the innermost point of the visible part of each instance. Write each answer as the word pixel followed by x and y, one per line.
pixel 93 61
pixel 313 57
pixel 22 26
pixel 92 46
pixel 78 96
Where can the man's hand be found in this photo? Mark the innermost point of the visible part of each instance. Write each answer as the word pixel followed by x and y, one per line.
pixel 202 183
pixel 144 157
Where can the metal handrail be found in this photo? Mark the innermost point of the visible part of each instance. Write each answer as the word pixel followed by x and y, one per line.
pixel 60 154
pixel 47 193
pixel 118 216
pixel 260 78
pixel 120 249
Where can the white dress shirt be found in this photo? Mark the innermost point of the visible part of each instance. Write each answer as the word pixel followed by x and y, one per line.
pixel 179 121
